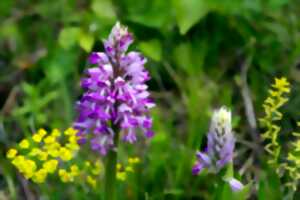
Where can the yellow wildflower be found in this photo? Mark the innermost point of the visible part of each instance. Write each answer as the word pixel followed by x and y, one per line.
pixel 42 156
pixel 65 176
pixel 17 160
pixel 50 166
pixel 119 166
pixel 37 138
pixel 97 169
pixel 65 154
pixel 293 164
pixel 28 168
pixel 129 169
pixel 72 146
pixel 90 180
pixel 55 133
pixel 87 163
pixel 24 144
pixel 34 152
pixel 121 176
pixel 74 170
pixel 282 85
pixel 40 176
pixel 70 131
pixel 53 149
pixel 42 132
pixel 134 160
pixel 49 139
pixel 11 153
pixel 271 106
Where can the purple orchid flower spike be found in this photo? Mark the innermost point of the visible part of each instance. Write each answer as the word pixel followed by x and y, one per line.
pixel 115 95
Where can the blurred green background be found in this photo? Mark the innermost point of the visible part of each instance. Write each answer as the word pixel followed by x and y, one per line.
pixel 199 55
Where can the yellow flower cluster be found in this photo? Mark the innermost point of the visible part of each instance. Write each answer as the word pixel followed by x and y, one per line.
pixel 43 154
pixel 276 99
pixel 92 172
pixel 122 171
pixel 293 164
pixel 89 172
pixel 39 155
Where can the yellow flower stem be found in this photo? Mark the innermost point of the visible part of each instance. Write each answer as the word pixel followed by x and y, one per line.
pixel 110 171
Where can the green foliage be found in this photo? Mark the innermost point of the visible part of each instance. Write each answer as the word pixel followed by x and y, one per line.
pixel 188 13
pixel 196 51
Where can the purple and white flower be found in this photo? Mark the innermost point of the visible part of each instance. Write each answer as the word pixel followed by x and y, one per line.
pixel 115 95
pixel 220 147
pixel 220 143
pixel 235 184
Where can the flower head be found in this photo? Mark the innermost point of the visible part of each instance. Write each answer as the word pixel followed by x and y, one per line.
pixel 116 96
pixel 220 143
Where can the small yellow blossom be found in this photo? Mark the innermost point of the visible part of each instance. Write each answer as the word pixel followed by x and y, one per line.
pixel 96 168
pixel 134 160
pixel 49 139
pixel 90 180
pixel 24 144
pixel 74 170
pixel 11 153
pixel 37 138
pixel 70 131
pixel 65 176
pixel 282 85
pixel 42 132
pixel 119 166
pixel 53 149
pixel 72 146
pixel 42 156
pixel 121 176
pixel 129 169
pixel 96 171
pixel 50 166
pixel 87 163
pixel 17 160
pixel 55 133
pixel 27 167
pixel 40 176
pixel 34 152
pixel 65 154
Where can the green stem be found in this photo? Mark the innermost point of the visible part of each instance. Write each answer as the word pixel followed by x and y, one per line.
pixel 110 171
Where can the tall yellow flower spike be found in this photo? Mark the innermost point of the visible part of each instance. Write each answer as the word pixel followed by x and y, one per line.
pixel 276 99
pixel 293 164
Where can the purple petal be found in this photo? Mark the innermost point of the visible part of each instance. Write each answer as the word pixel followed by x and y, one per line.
pixel 197 168
pixel 235 184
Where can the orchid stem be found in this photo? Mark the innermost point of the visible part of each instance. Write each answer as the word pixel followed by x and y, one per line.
pixel 110 172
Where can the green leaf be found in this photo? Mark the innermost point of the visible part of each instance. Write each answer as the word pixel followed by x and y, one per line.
pixel 229 171
pixel 188 13
pixel 224 191
pixel 104 9
pixel 154 13
pixel 86 41
pixel 190 56
pixel 269 187
pixel 243 194
pixel 68 37
pixel 151 49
